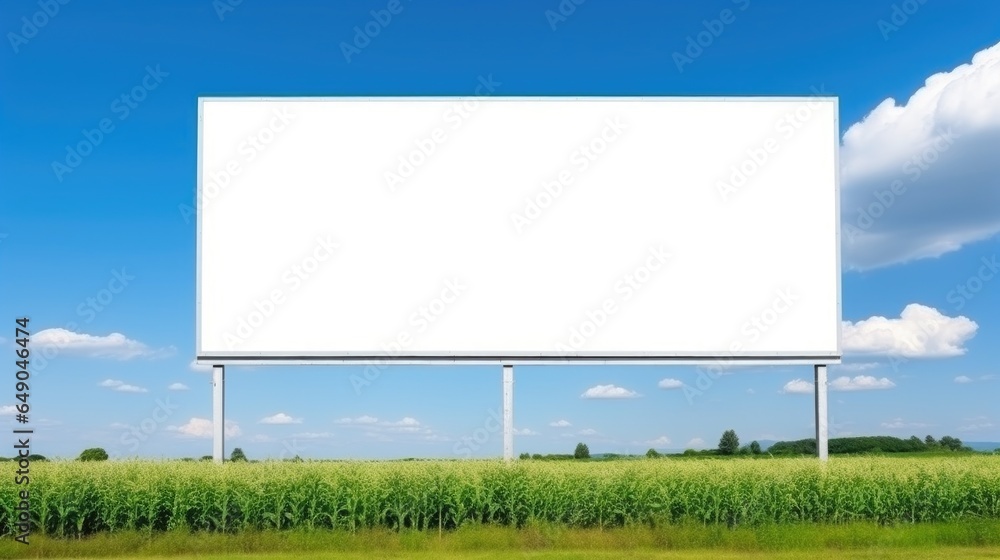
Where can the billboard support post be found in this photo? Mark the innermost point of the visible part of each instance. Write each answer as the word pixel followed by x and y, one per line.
pixel 218 412
pixel 822 436
pixel 508 412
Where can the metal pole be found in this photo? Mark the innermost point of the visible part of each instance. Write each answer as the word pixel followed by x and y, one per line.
pixel 508 413
pixel 218 412
pixel 822 435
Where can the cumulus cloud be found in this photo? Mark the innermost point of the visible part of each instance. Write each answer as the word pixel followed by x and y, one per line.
pixel 178 387
pixel 121 386
pixel 919 332
pixel 922 178
pixel 359 420
pixel 856 366
pixel 669 383
pixel 976 427
pixel 114 346
pixel 200 368
pixel 202 428
pixel 608 392
pixel 8 410
pixel 899 424
pixel 560 424
pixel 280 418
pixel 695 443
pixel 660 441
pixel 860 383
pixel 587 432
pixel 798 387
pixel 963 379
pixel 313 435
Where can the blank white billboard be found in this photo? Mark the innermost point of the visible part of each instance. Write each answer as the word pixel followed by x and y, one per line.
pixel 517 229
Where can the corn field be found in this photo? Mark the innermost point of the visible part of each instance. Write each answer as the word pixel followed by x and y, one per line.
pixel 74 498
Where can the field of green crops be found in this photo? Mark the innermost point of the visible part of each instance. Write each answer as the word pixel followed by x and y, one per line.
pixel 73 498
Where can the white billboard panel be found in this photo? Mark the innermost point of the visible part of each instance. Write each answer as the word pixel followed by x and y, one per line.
pixel 518 229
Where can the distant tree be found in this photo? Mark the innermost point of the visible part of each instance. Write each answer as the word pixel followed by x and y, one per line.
pixel 36 458
pixel 582 451
pixel 755 448
pixel 94 454
pixel 537 456
pixel 929 441
pixel 523 456
pixel 237 455
pixel 690 452
pixel 951 443
pixel 729 444
pixel 916 443
pixel 206 458
pixel 652 453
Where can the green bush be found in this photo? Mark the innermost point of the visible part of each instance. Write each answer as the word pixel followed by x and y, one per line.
pixel 94 454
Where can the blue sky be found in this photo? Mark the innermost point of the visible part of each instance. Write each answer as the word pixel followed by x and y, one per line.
pixel 103 245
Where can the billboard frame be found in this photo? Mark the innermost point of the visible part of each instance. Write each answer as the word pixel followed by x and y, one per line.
pixel 553 358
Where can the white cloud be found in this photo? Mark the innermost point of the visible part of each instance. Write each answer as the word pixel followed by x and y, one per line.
pixel 976 427
pixel 856 366
pixel 200 368
pixel 919 332
pixel 898 424
pixel 359 420
pixel 750 391
pixel 8 410
pixel 587 432
pixel 660 441
pixel 280 418
pixel 202 428
pixel 608 392
pixel 860 383
pixel 797 387
pixel 121 386
pixel 407 421
pixel 114 346
pixel 313 435
pixel 669 383
pixel 525 432
pixel 178 387
pixel 963 379
pixel 560 424
pixel 940 146
pixel 695 443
